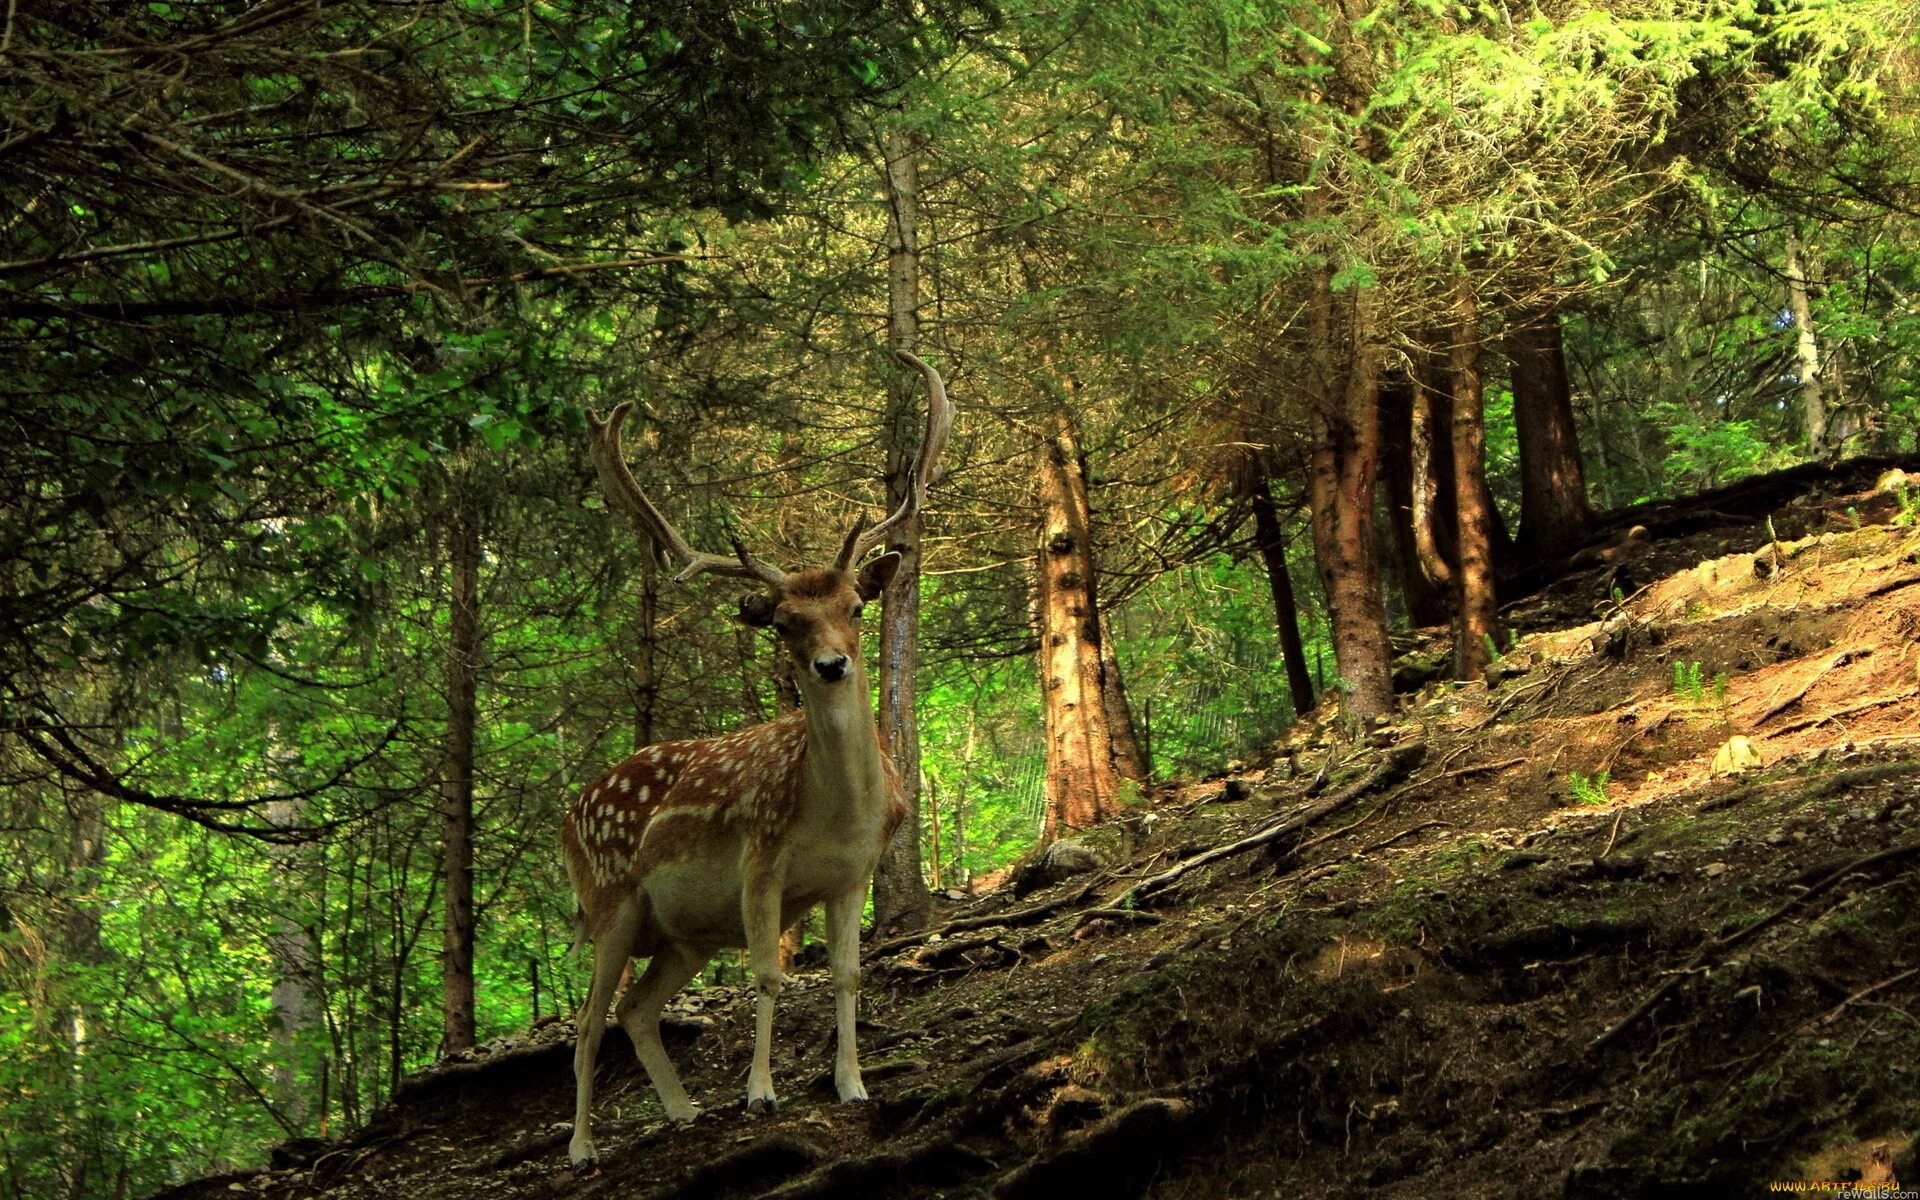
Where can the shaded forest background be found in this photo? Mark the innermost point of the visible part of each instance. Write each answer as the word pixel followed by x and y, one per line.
pixel 312 617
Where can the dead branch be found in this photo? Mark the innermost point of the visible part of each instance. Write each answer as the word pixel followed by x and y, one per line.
pixel 1012 920
pixel 1839 660
pixel 1398 764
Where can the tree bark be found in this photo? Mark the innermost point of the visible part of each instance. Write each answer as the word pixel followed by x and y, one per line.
pixel 646 679
pixel 1426 597
pixel 1435 526
pixel 1345 359
pixel 1083 772
pixel 456 803
pixel 1286 612
pixel 1128 758
pixel 900 897
pixel 296 961
pixel 1806 343
pixel 1554 517
pixel 1476 624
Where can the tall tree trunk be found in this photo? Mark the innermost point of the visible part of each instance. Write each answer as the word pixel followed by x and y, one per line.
pixel 1346 456
pixel 1477 622
pixel 1286 612
pixel 296 960
pixel 746 640
pixel 1426 597
pixel 1435 525
pixel 900 897
pixel 1554 518
pixel 1806 344
pixel 1128 758
pixel 646 679
pixel 456 803
pixel 1083 773
pixel 86 859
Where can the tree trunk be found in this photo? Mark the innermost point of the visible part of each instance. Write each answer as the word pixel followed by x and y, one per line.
pixel 456 803
pixel 1128 758
pixel 746 640
pixel 1554 518
pixel 1813 401
pixel 1435 526
pixel 1426 597
pixel 1083 773
pixel 296 961
pixel 1345 359
pixel 900 898
pixel 1477 623
pixel 1286 613
pixel 646 679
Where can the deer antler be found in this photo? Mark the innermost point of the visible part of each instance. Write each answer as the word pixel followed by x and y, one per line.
pixel 610 462
pixel 939 424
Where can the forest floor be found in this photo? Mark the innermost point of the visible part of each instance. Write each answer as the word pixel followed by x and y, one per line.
pixel 1584 933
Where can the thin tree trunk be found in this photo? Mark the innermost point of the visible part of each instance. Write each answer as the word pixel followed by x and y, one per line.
pixel 1083 773
pixel 1426 597
pixel 295 959
pixel 1435 525
pixel 746 642
pixel 1813 401
pixel 1554 518
pixel 1477 623
pixel 932 795
pixel 1286 613
pixel 646 679
pixel 456 805
pixel 1345 461
pixel 900 898
pixel 1128 758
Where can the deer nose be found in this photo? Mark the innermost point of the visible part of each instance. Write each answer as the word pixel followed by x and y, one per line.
pixel 830 669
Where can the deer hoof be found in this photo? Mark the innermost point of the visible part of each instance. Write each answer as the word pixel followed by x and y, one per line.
pixel 760 1105
pixel 581 1155
pixel 853 1093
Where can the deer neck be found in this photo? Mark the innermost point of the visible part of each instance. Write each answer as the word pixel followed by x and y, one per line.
pixel 844 771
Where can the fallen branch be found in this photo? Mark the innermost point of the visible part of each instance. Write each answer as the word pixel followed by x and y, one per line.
pixel 1407 832
pixel 1836 714
pixel 1839 660
pixel 1398 764
pixel 1132 915
pixel 1012 920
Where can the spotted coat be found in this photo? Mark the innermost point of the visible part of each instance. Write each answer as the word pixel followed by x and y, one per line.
pixel 661 804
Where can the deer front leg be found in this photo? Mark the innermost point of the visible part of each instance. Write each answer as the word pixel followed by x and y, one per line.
pixel 843 956
pixel 760 907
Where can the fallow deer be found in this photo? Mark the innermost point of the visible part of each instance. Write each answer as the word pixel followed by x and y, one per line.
pixel 690 847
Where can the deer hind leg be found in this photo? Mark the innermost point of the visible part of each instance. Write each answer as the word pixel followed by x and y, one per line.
pixel 760 908
pixel 843 955
pixel 611 952
pixel 669 970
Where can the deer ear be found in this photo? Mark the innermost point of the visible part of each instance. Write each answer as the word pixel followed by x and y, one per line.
pixel 756 609
pixel 876 575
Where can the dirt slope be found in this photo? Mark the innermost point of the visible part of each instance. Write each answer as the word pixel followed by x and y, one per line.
pixel 1449 976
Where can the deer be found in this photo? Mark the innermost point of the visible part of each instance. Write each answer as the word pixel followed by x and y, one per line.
pixel 691 847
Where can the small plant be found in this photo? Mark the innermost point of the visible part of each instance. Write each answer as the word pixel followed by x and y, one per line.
pixel 1693 688
pixel 1589 790
pixel 1686 682
pixel 1909 514
pixel 1493 647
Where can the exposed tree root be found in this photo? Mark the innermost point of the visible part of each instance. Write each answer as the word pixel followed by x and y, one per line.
pixel 1710 954
pixel 1399 763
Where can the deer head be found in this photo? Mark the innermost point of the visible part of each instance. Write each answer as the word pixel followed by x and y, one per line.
pixel 814 612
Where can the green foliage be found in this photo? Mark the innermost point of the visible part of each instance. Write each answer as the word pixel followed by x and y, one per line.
pixel 1590 790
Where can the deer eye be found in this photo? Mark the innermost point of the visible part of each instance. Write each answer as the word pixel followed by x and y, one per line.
pixel 857 610
pixel 780 625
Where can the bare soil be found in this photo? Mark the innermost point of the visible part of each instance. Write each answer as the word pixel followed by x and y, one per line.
pixel 1459 974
